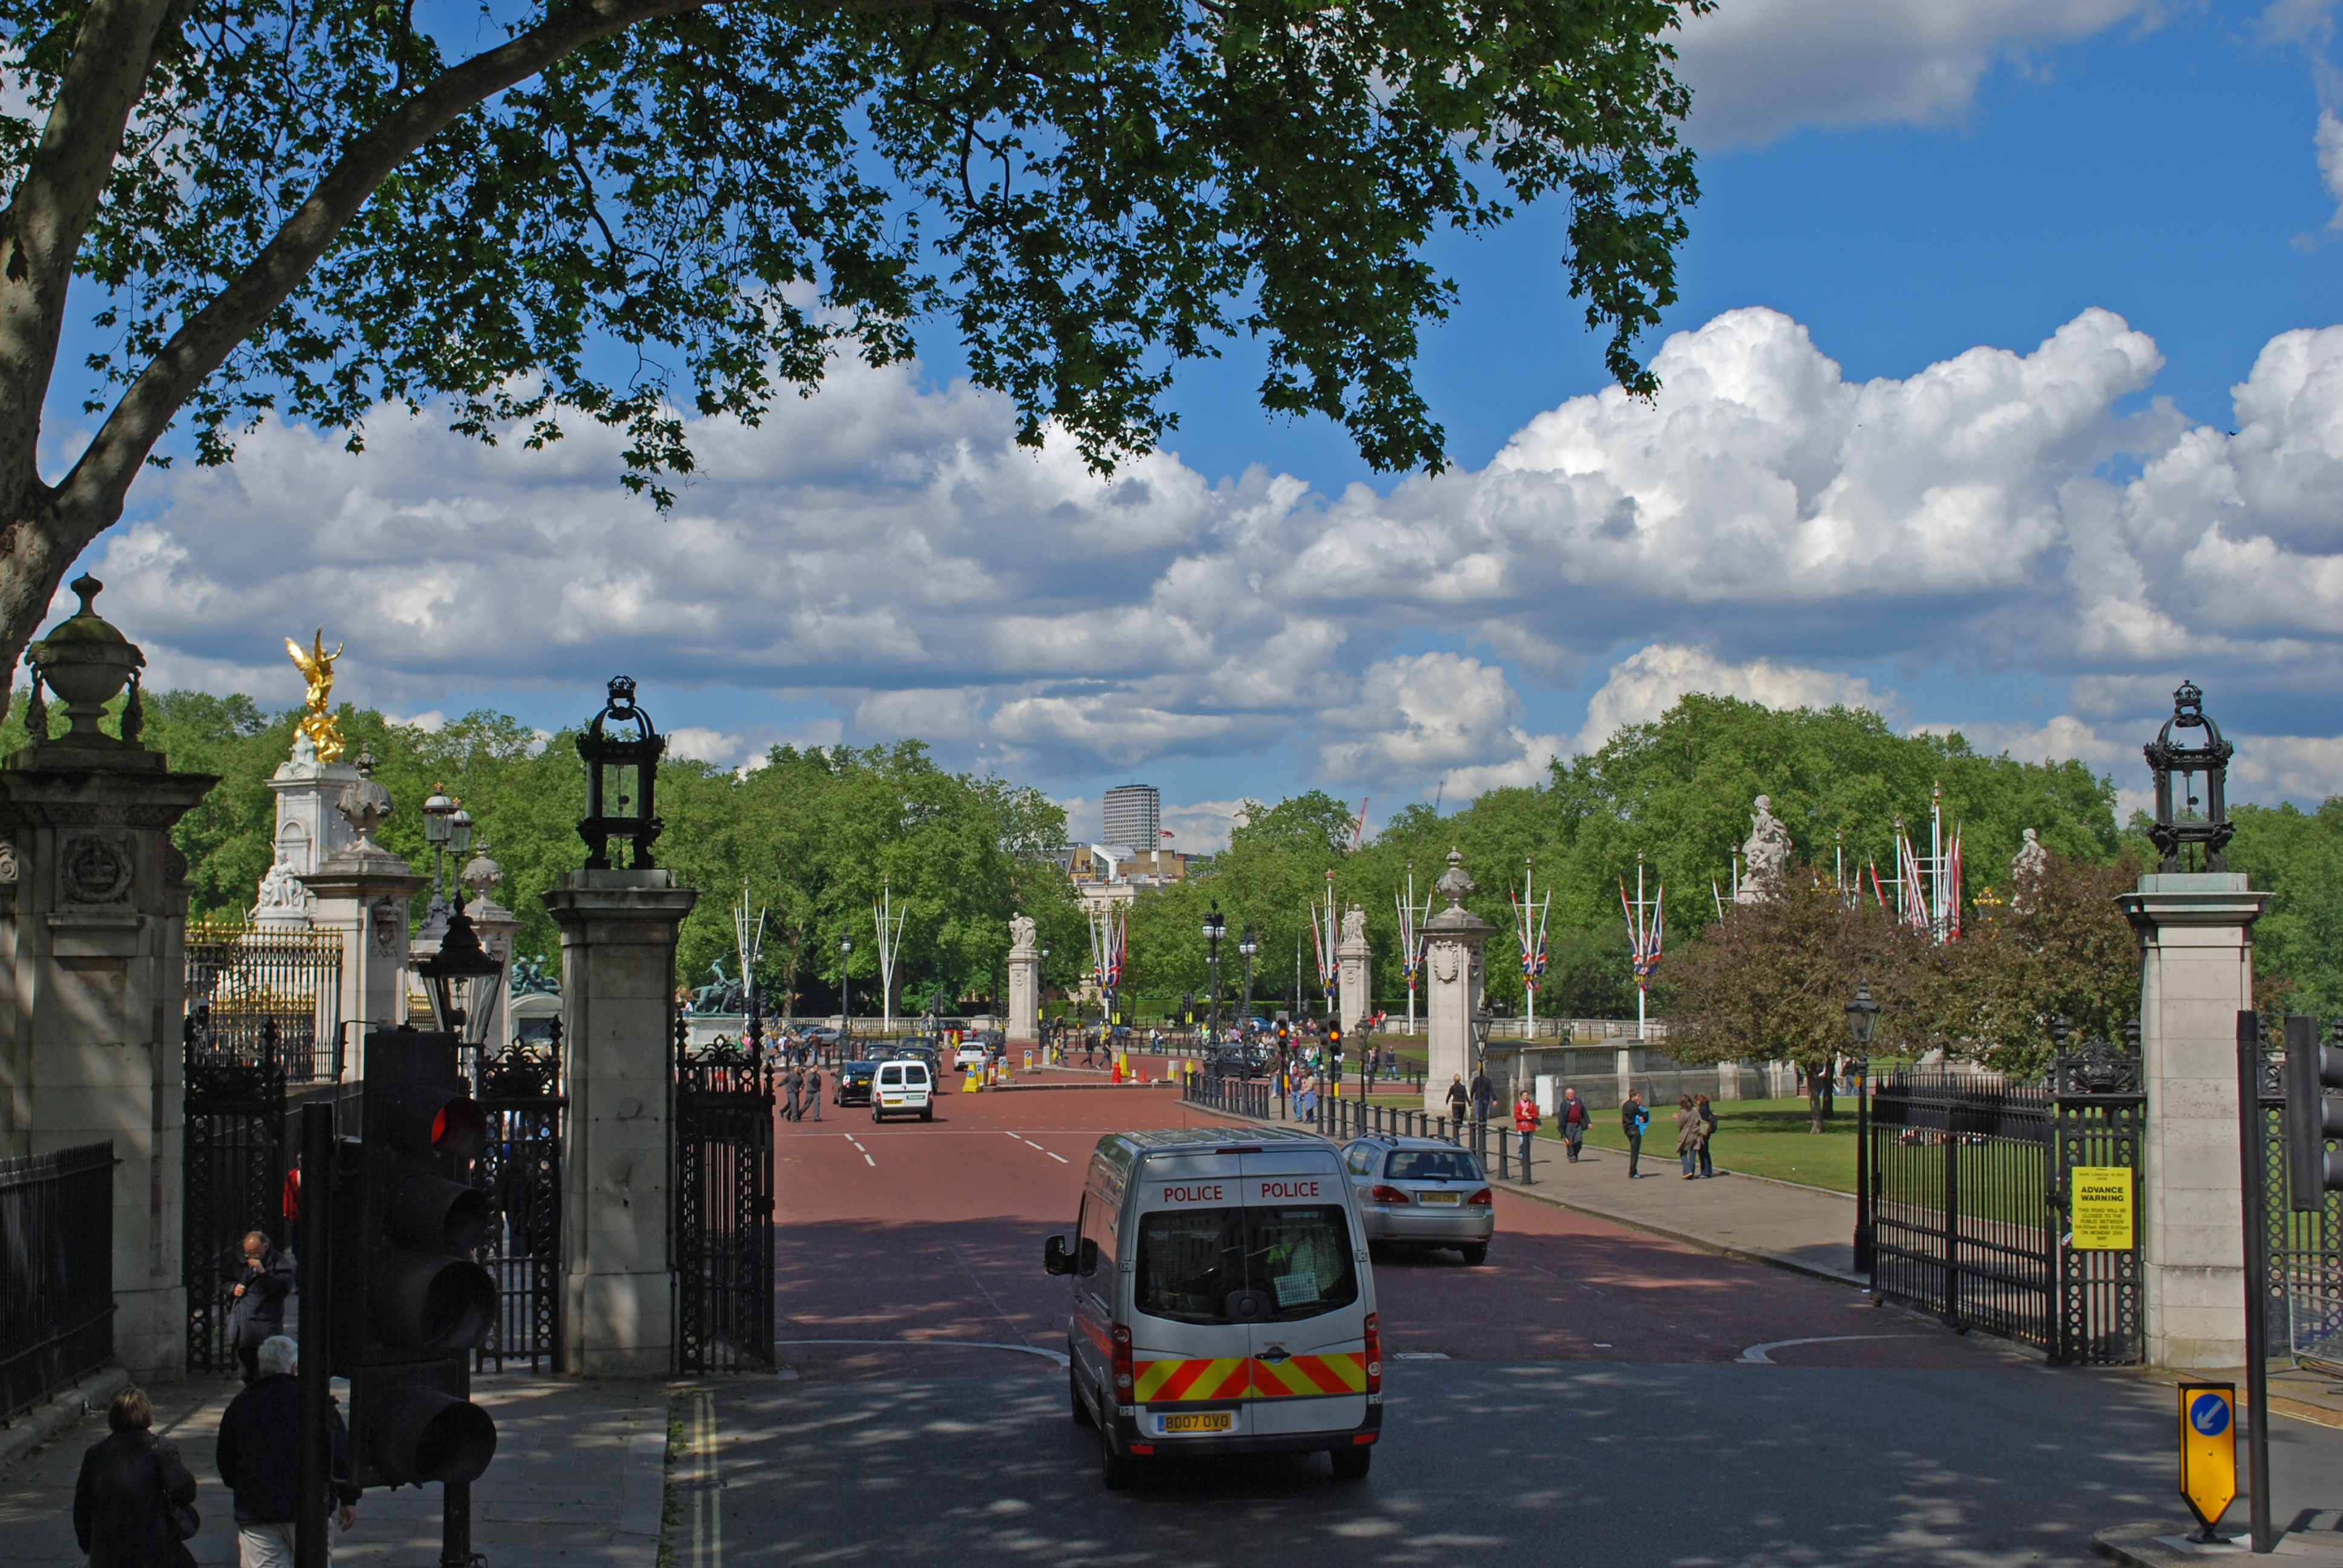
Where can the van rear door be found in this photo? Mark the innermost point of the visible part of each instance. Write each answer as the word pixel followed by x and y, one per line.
pixel 1192 1359
pixel 1305 1258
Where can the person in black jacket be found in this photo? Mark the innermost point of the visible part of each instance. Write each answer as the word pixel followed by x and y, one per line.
pixel 259 1457
pixel 257 1302
pixel 130 1480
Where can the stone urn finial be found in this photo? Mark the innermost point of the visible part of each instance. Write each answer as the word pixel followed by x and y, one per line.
pixel 88 662
pixel 364 805
pixel 480 873
pixel 1456 882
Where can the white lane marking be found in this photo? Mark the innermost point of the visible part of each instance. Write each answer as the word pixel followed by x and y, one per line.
pixel 868 1160
pixel 1027 1141
pixel 1057 1356
pixel 1755 1355
pixel 1059 1158
pixel 1019 1136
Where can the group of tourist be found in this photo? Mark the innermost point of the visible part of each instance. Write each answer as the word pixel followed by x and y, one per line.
pixel 1695 1123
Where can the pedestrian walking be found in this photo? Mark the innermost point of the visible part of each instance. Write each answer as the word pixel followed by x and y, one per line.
pixel 1574 1122
pixel 259 1457
pixel 1635 1116
pixel 256 1304
pixel 134 1503
pixel 1689 1128
pixel 1484 1095
pixel 1458 1099
pixel 1707 1131
pixel 792 1085
pixel 1526 1122
pixel 813 1089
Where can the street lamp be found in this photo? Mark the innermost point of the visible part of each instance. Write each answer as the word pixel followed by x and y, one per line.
pixel 621 775
pixel 2175 829
pixel 1215 927
pixel 845 991
pixel 462 980
pixel 1862 1019
pixel 1247 945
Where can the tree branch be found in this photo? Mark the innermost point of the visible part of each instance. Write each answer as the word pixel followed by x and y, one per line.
pixel 51 208
pixel 90 498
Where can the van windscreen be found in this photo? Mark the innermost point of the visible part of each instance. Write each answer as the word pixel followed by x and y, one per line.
pixel 1192 1261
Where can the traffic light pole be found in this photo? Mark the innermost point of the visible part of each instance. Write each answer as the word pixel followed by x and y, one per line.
pixel 2253 1157
pixel 315 1366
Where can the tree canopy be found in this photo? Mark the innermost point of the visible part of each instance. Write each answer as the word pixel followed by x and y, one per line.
pixel 620 210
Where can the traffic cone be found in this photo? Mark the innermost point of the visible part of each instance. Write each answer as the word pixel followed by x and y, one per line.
pixel 1116 1077
pixel 970 1084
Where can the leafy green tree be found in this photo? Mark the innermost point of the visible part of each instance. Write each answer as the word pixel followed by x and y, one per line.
pixel 305 209
pixel 2298 857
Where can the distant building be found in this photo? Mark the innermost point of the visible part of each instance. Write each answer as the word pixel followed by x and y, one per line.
pixel 1134 820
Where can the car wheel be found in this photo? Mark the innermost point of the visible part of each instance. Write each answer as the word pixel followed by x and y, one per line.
pixel 1351 1463
pixel 874 1114
pixel 1081 1407
pixel 927 1114
pixel 1475 1256
pixel 1116 1471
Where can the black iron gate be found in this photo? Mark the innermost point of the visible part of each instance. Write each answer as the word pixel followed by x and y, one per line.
pixel 233 1165
pixel 519 1088
pixel 723 1205
pixel 1971 1189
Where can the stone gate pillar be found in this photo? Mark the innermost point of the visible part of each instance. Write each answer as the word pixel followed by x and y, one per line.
pixel 1024 984
pixel 92 915
pixel 618 998
pixel 2196 973
pixel 1356 982
pixel 362 891
pixel 1453 944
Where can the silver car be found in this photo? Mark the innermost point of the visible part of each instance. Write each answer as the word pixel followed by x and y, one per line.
pixel 1423 1192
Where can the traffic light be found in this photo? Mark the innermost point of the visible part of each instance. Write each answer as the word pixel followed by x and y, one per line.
pixel 2311 1118
pixel 409 1302
pixel 1281 1036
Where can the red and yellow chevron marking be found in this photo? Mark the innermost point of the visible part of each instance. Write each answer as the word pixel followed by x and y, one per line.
pixel 1224 1377
pixel 1303 1377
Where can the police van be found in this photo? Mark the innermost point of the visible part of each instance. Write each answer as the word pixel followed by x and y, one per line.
pixel 902 1088
pixel 1223 1300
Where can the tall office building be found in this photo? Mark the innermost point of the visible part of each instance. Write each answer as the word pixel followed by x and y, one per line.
pixel 1134 819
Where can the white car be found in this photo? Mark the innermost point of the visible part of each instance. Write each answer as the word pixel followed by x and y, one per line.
pixel 969 1056
pixel 901 1088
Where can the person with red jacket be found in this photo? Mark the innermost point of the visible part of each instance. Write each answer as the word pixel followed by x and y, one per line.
pixel 1526 1122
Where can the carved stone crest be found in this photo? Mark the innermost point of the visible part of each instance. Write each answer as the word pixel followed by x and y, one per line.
pixel 7 861
pixel 95 869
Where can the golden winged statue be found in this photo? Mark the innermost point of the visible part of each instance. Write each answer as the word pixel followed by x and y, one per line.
pixel 318 723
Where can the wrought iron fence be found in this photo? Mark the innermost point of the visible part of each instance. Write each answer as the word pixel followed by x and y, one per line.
pixel 258 994
pixel 519 1088
pixel 1233 1096
pixel 2304 1250
pixel 723 1204
pixel 233 1165
pixel 1972 1191
pixel 56 1292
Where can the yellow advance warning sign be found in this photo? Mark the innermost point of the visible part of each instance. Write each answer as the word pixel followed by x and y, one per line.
pixel 2208 1449
pixel 2103 1208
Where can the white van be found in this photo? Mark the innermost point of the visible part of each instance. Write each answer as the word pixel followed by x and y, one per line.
pixel 1222 1299
pixel 900 1089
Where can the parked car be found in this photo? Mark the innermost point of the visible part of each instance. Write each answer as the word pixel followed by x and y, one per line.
pixel 852 1082
pixel 1421 1192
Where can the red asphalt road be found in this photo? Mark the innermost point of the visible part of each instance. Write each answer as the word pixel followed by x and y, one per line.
pixel 934 1231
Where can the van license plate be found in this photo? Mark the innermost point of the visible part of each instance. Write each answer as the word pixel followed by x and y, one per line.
pixel 1447 1198
pixel 1209 1420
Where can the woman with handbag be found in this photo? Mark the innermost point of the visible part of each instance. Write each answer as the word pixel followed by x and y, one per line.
pixel 134 1506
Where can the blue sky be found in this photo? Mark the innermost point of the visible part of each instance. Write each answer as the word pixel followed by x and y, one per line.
pixel 1903 184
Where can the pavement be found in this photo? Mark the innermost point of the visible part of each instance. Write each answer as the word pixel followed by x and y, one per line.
pixel 578 1482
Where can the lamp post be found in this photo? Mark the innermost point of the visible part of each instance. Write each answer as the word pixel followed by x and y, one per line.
pixel 2194 821
pixel 1215 927
pixel 1862 1019
pixel 1247 945
pixel 845 991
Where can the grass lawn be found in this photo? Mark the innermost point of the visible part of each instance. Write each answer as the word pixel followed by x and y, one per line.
pixel 1760 1136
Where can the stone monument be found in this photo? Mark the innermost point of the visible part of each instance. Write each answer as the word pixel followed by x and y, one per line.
pixel 1765 855
pixel 93 912
pixel 2027 870
pixel 496 925
pixel 309 785
pixel 1355 959
pixel 1024 983
pixel 1453 982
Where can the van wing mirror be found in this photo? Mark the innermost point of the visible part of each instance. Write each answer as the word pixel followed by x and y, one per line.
pixel 1055 1258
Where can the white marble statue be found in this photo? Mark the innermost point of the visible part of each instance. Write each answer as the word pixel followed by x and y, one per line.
pixel 1767 853
pixel 2027 870
pixel 280 889
pixel 1354 926
pixel 1022 934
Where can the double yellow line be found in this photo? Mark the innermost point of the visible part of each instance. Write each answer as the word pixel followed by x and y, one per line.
pixel 693 1536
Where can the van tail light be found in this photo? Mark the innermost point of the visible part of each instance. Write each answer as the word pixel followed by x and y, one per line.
pixel 1122 1371
pixel 1482 1199
pixel 1375 1355
pixel 1387 1195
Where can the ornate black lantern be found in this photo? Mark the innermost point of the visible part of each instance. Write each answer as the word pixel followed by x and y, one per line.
pixel 2194 820
pixel 619 776
pixel 462 980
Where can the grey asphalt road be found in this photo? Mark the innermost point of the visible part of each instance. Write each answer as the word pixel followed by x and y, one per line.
pixel 1699 1466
